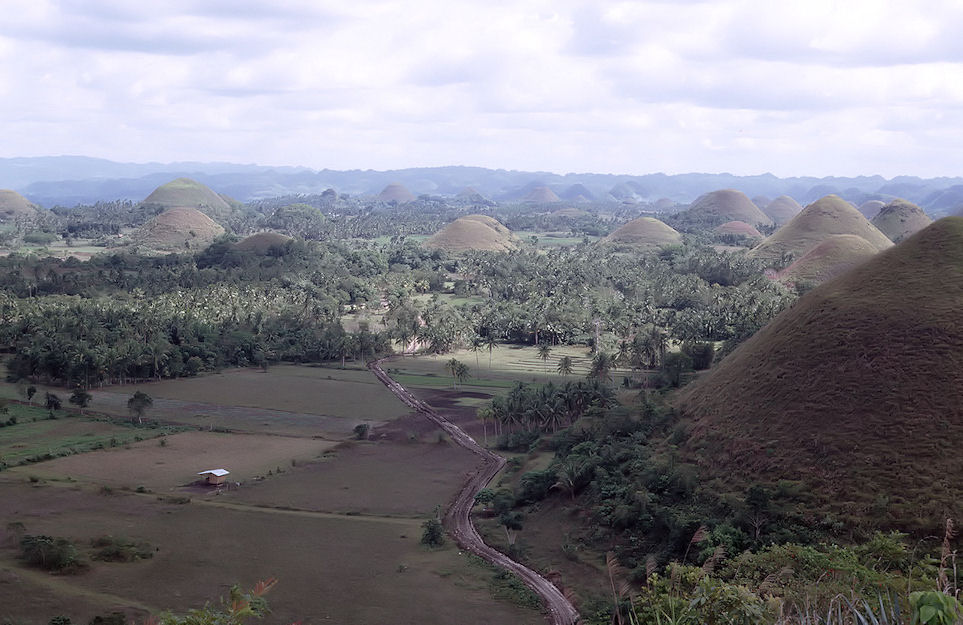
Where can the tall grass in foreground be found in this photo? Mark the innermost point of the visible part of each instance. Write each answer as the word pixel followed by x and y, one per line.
pixel 689 595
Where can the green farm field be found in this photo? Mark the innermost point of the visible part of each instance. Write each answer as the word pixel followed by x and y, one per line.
pixel 29 439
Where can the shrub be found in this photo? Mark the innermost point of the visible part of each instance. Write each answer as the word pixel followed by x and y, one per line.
pixel 434 534
pixel 49 553
pixel 110 549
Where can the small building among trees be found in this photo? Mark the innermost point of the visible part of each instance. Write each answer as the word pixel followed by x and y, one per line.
pixel 215 477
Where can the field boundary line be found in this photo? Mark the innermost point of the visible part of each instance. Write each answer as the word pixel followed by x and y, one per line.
pixel 458 516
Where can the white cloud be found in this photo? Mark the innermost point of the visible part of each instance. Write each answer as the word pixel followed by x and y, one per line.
pixel 745 86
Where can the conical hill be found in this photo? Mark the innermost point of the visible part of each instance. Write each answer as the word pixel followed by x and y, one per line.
pixel 262 242
pixel 396 192
pixel 644 233
pixel 473 232
pixel 178 230
pixel 13 205
pixel 856 391
pixel 738 228
pixel 836 255
pixel 728 205
pixel 818 221
pixel 541 195
pixel 900 219
pixel 187 193
pixel 782 209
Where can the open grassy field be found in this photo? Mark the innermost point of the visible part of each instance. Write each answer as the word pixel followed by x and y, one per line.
pixel 287 399
pixel 339 524
pixel 72 434
pixel 337 570
pixel 388 477
pixel 176 462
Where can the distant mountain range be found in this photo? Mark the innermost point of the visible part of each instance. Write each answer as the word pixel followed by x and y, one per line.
pixel 71 180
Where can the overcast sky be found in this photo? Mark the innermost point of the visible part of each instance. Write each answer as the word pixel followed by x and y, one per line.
pixel 814 87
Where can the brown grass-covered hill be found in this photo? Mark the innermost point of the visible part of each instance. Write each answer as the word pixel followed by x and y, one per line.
pixel 782 209
pixel 13 205
pixel 738 228
pixel 178 229
pixel 262 242
pixel 644 233
pixel 473 232
pixel 856 391
pixel 871 208
pixel 187 193
pixel 541 195
pixel 730 205
pixel 899 219
pixel 396 192
pixel 819 221
pixel 836 255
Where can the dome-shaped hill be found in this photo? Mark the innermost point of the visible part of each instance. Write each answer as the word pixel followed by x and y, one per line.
pixel 13 205
pixel 836 255
pixel 396 192
pixel 473 232
pixel 187 193
pixel 818 221
pixel 262 242
pixel 644 233
pixel 177 230
pixel 541 195
pixel 761 201
pixel 871 208
pixel 738 228
pixel 578 193
pixel 856 390
pixel 728 205
pixel 900 219
pixel 782 209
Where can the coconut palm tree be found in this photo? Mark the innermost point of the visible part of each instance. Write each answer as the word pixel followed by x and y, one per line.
pixel 544 351
pixel 565 365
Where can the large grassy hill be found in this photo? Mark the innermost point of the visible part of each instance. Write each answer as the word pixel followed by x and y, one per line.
pixel 818 221
pixel 473 232
pixel 856 391
pixel 178 230
pixel 728 205
pixel 900 219
pixel 782 209
pixel 187 193
pixel 13 205
pixel 644 233
pixel 836 255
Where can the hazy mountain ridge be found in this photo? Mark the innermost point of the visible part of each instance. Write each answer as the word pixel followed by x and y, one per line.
pixel 71 180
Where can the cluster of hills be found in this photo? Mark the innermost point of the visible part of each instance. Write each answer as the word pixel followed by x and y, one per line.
pixel 856 391
pixel 68 181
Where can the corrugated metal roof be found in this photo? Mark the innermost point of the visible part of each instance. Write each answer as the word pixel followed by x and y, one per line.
pixel 217 472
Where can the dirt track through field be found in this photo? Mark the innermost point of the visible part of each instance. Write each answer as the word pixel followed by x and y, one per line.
pixel 458 517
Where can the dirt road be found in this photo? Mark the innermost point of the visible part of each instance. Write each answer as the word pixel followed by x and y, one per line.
pixel 458 517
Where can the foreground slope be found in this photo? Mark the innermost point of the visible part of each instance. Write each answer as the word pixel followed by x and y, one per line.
pixel 899 219
pixel 819 221
pixel 644 233
pixel 857 390
pixel 473 232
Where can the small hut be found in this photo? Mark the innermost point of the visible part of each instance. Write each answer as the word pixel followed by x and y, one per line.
pixel 215 476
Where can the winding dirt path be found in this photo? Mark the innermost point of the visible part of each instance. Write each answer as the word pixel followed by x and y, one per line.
pixel 458 517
